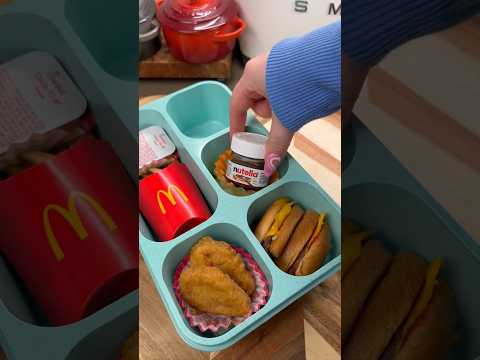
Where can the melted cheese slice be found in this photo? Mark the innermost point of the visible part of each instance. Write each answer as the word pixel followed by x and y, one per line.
pixel 279 219
pixel 320 223
pixel 431 280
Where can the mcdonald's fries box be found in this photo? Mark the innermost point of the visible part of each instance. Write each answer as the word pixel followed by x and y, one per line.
pixel 74 220
pixel 158 195
pixel 196 119
pixel 69 270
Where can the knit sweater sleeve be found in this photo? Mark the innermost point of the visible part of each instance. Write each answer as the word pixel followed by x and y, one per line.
pixel 372 28
pixel 303 76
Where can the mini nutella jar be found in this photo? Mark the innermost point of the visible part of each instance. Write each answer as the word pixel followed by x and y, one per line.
pixel 246 167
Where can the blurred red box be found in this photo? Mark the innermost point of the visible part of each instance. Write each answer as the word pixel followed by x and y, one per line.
pixel 69 226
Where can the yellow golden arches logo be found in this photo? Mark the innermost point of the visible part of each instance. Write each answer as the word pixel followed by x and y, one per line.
pixel 169 195
pixel 72 217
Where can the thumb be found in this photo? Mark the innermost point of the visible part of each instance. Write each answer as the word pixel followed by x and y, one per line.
pixel 277 145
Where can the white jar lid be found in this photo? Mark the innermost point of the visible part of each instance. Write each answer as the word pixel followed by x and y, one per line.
pixel 249 144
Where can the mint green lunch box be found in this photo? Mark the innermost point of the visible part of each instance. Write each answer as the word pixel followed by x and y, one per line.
pixel 197 121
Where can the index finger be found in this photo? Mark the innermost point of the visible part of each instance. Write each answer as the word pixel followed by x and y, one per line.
pixel 239 105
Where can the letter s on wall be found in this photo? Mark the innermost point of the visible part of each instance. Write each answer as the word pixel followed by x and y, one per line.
pixel 301 6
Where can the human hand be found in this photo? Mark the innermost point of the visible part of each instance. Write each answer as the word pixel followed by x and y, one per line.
pixel 251 92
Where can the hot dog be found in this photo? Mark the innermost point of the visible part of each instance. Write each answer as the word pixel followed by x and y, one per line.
pixel 387 308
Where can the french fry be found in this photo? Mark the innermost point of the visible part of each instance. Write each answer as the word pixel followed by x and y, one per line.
pixel 152 170
pixel 36 157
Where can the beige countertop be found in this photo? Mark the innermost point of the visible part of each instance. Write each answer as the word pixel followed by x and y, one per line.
pixel 428 118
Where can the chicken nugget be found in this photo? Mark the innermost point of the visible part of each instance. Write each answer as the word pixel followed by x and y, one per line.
pixel 210 252
pixel 208 289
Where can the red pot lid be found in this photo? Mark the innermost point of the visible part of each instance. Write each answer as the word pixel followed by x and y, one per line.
pixel 196 15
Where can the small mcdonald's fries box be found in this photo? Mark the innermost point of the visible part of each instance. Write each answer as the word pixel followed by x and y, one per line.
pixel 68 219
pixel 168 195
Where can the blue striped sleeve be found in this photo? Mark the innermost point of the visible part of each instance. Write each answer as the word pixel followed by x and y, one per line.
pixel 303 76
pixel 372 28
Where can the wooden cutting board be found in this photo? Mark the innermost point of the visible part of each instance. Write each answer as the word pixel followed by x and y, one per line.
pixel 163 65
pixel 307 329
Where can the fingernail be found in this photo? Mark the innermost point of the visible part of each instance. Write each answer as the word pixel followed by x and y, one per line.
pixel 271 163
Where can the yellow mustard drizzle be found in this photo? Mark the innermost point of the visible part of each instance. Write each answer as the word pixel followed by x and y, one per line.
pixel 320 223
pixel 431 280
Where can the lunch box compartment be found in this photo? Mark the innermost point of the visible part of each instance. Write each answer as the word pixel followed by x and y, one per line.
pixel 14 295
pixel 229 233
pixel 406 218
pixel 106 342
pixel 396 216
pixel 117 58
pixel 217 146
pixel 200 111
pixel 18 339
pixel 229 222
pixel 146 232
pixel 150 117
pixel 306 196
pixel 155 118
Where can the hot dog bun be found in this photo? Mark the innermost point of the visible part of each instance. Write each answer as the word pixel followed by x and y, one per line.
pixel 268 218
pixel 299 239
pixel 353 240
pixel 279 242
pixel 313 254
pixel 387 308
pixel 429 330
pixel 361 280
pixel 435 331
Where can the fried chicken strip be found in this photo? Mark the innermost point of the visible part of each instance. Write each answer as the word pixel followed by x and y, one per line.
pixel 208 289
pixel 209 252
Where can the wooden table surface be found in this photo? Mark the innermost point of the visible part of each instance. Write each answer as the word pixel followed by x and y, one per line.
pixel 307 329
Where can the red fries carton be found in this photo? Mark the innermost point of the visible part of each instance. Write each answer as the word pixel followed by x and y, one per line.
pixel 69 228
pixel 171 201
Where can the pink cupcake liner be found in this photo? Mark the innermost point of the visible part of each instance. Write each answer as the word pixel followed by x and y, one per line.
pixel 216 323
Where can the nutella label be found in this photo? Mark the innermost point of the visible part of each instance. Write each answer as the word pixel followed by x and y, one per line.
pixel 246 175
pixel 154 144
pixel 36 96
